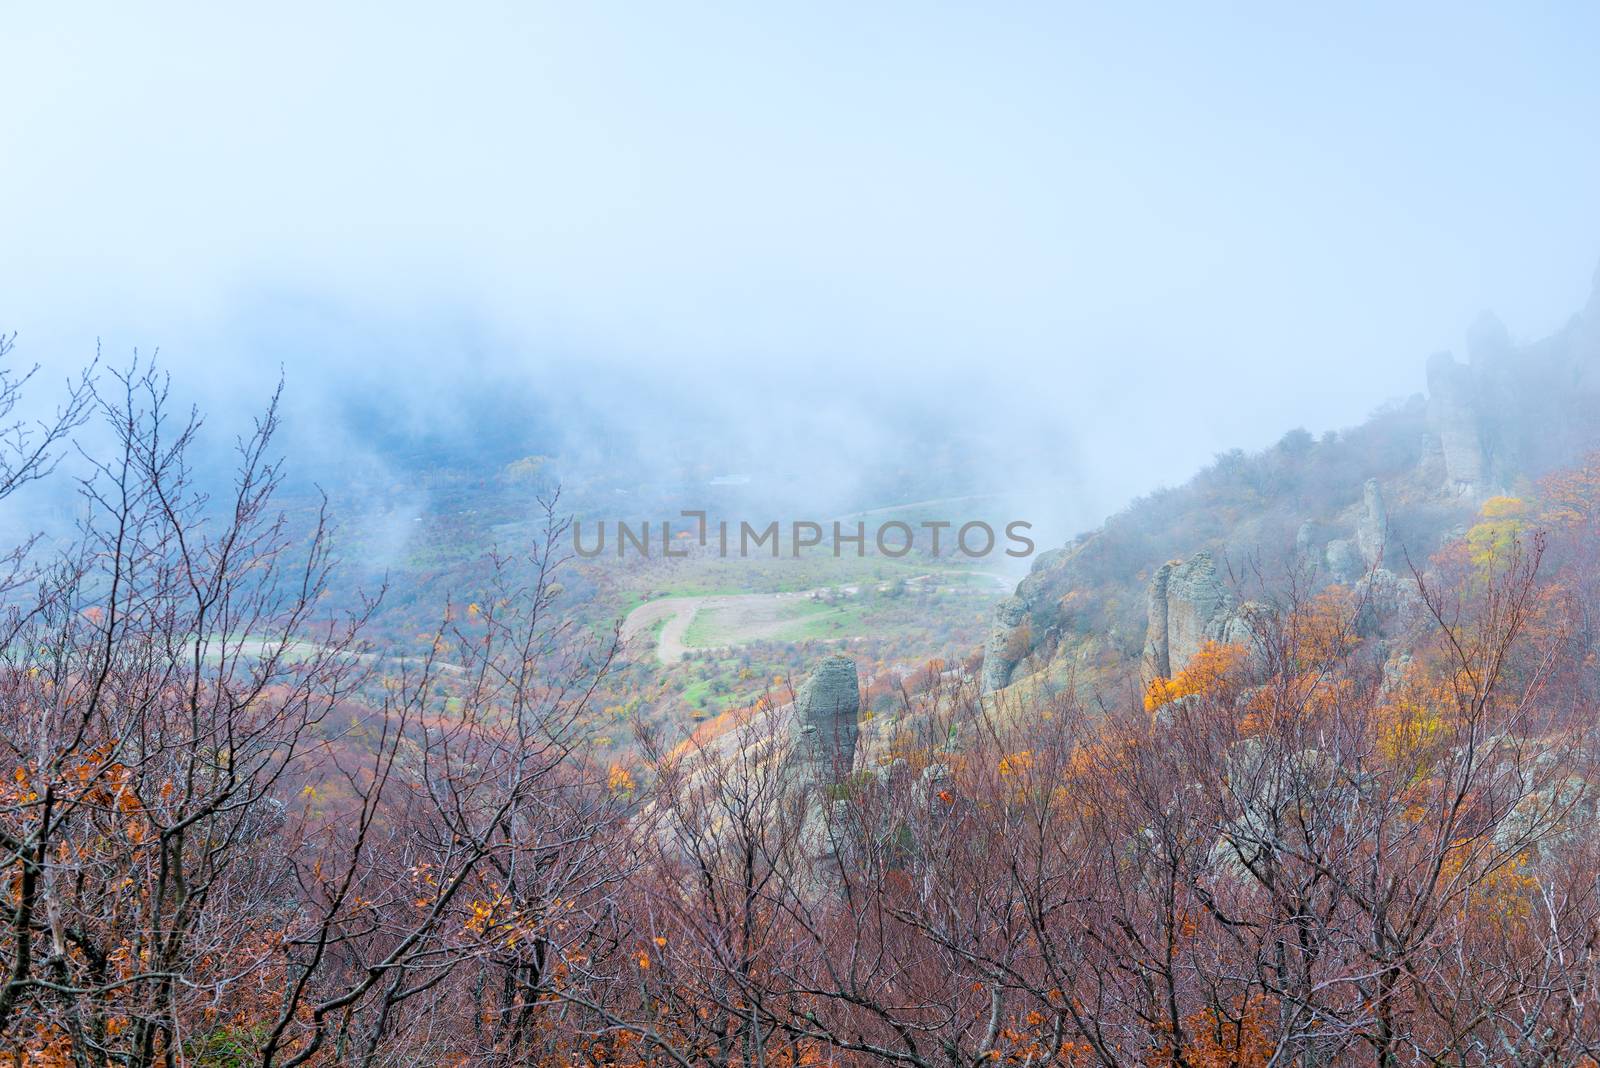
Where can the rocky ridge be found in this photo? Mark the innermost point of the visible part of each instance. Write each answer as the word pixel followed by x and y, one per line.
pixel 1507 414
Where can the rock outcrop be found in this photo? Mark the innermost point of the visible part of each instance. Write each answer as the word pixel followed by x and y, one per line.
pixel 1269 786
pixel 1029 619
pixel 1348 560
pixel 1305 540
pixel 1006 645
pixel 827 717
pixel 827 711
pixel 1351 508
pixel 1454 419
pixel 1389 605
pixel 1187 606
pixel 1372 526
pixel 1343 560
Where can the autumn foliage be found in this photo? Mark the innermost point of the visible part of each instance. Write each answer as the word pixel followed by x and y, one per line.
pixel 234 833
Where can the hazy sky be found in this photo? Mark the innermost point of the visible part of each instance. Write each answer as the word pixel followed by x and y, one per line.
pixel 1137 233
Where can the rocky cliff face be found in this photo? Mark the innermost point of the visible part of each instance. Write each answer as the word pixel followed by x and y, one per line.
pixel 1187 606
pixel 827 716
pixel 1372 527
pixel 1453 416
pixel 1007 643
pixel 827 712
pixel 1340 509
pixel 1025 624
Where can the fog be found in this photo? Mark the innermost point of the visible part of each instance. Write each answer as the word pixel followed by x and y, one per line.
pixel 1081 250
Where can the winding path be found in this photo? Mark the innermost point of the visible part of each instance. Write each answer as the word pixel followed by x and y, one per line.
pixel 677 611
pixel 754 616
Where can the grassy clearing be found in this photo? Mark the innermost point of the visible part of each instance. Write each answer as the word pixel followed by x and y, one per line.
pixel 845 620
pixel 711 575
pixel 738 621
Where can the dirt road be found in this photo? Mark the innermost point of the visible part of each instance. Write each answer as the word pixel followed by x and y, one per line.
pixel 678 613
pixel 736 619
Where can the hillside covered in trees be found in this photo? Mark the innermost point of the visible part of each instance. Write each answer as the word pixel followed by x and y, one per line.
pixel 1295 764
pixel 1364 508
pixel 547 535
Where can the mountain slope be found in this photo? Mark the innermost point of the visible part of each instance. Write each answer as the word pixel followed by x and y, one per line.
pixel 1171 570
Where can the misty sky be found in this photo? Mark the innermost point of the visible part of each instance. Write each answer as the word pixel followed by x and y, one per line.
pixel 1126 239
